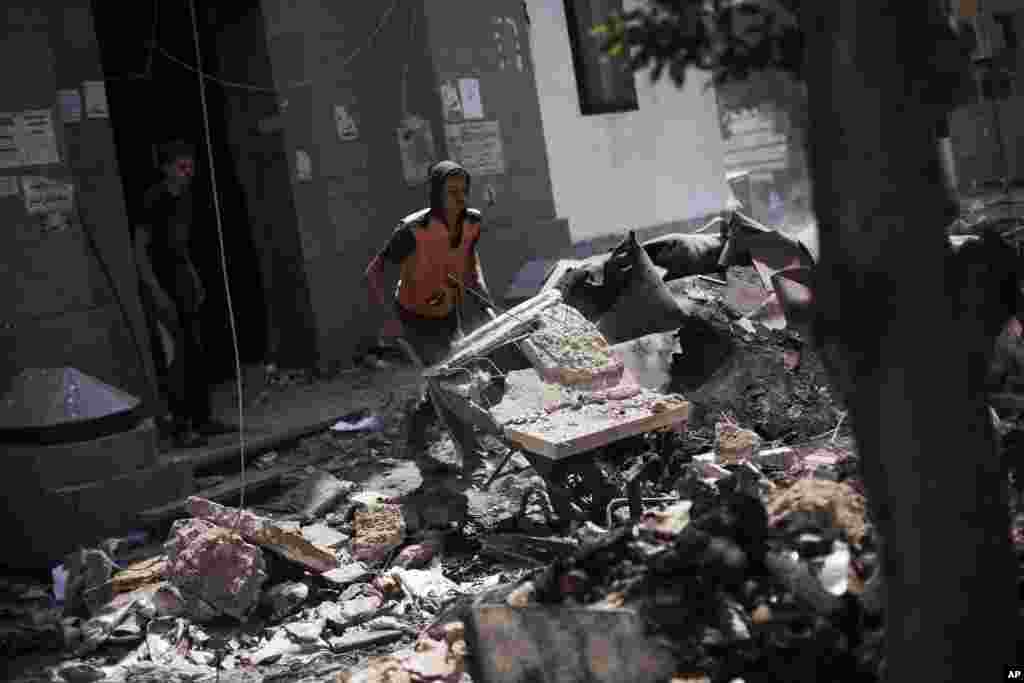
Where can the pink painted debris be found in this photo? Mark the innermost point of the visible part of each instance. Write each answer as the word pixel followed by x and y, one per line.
pixel 288 543
pixel 212 564
pixel 415 556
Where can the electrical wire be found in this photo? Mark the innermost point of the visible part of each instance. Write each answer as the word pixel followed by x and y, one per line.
pixel 220 81
pixel 252 87
pixel 223 256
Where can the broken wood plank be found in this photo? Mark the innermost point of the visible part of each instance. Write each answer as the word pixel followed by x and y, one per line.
pixel 566 436
pixel 254 480
pixel 556 422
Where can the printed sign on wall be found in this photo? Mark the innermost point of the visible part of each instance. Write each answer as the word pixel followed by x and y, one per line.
pixel 344 121
pixel 416 143
pixel 69 102
pixel 472 104
pixel 451 101
pixel 45 195
pixel 303 166
pixel 28 139
pixel 477 146
pixel 96 100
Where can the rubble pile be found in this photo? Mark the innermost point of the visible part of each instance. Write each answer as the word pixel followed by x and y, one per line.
pixel 738 590
pixel 742 543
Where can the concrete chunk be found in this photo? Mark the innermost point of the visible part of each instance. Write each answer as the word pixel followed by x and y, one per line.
pixel 288 543
pixel 216 566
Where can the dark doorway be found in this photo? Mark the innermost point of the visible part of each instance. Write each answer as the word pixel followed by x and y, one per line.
pixel 153 94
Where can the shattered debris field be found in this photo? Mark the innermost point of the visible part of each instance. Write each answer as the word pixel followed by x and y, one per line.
pixel 730 542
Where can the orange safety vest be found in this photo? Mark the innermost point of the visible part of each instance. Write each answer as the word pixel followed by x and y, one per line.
pixel 426 287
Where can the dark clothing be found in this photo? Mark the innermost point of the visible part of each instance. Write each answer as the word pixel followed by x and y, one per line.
pixel 181 376
pixel 168 220
pixel 429 337
pixel 401 245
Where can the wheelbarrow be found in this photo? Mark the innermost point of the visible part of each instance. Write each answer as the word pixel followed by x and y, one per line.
pixel 468 387
pixel 465 393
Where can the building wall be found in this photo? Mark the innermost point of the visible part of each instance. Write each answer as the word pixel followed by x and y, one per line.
pixel 663 163
pixel 356 195
pixel 383 69
pixel 487 42
pixel 57 306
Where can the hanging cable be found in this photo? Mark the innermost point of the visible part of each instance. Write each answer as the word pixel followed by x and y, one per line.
pixel 220 81
pixel 223 255
pixel 251 87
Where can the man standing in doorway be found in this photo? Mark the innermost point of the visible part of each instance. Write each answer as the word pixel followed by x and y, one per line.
pixel 173 294
pixel 435 251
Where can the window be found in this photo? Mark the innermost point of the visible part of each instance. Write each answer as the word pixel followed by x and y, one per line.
pixel 605 84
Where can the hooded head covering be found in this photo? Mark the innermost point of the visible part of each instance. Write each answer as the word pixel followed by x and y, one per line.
pixel 439 173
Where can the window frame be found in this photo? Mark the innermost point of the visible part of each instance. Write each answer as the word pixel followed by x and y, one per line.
pixel 592 103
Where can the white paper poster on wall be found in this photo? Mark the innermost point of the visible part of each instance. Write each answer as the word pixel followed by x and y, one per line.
pixel 69 103
pixel 472 104
pixel 477 146
pixel 38 141
pixel 28 139
pixel 96 100
pixel 348 130
pixel 416 143
pixel 451 101
pixel 8 186
pixel 46 195
pixel 303 166
pixel 10 155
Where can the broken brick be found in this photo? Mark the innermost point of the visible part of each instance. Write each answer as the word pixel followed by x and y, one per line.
pixel 378 531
